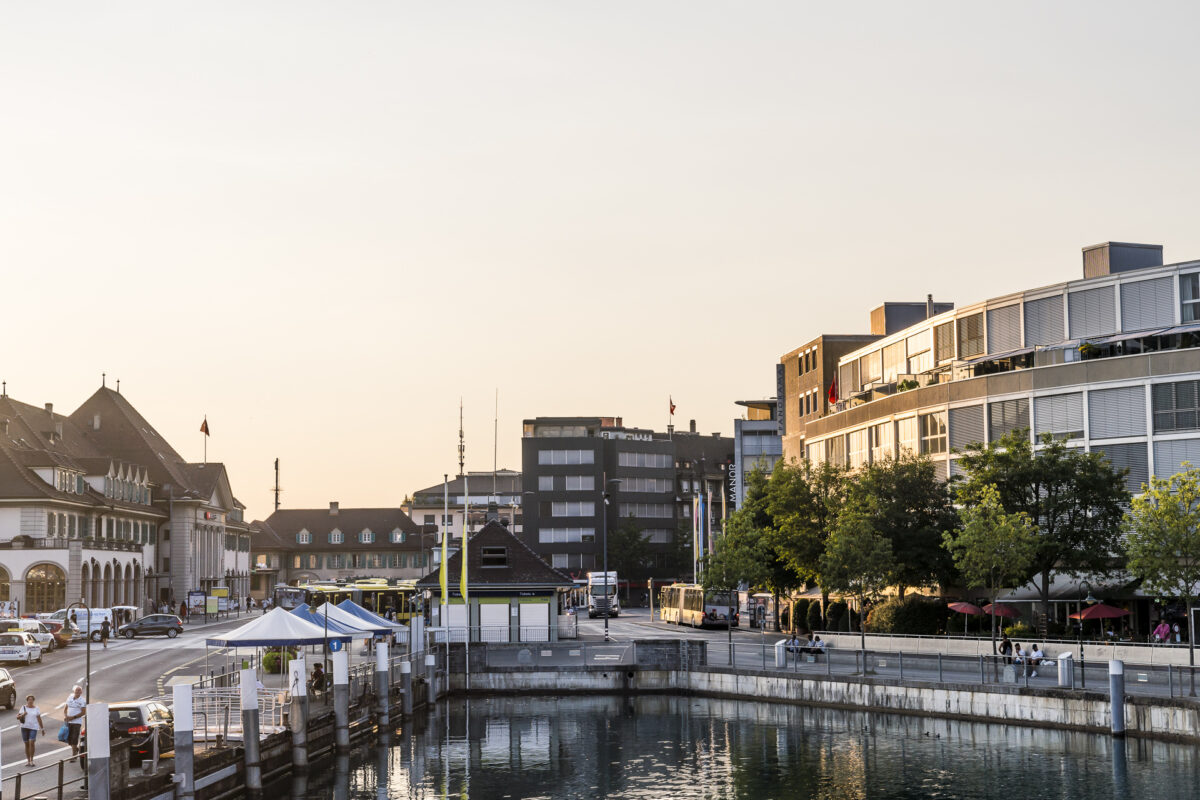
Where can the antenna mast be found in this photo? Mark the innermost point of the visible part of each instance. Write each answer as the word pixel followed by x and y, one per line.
pixel 462 447
pixel 495 444
pixel 277 489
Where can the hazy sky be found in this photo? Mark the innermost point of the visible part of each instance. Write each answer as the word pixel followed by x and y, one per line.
pixel 321 224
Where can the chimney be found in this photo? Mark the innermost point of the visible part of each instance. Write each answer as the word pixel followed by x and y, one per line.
pixel 49 408
pixel 333 508
pixel 928 306
pixel 691 426
pixel 96 422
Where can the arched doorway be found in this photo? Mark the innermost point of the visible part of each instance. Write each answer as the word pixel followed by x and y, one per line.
pixel 5 588
pixel 130 599
pixel 106 587
pixel 45 588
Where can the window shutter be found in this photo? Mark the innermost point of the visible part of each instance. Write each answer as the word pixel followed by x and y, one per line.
pixel 1043 321
pixel 1133 457
pixel 1147 304
pixel 1113 413
pixel 1006 416
pixel 1093 312
pixel 1060 414
pixel 1170 455
pixel 1004 329
pixel 939 469
pixel 966 427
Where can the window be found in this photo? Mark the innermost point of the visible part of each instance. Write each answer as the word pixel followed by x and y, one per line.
pixel 1176 406
pixel 943 343
pixel 566 535
pixel 882 442
pixel 658 535
pixel 1189 297
pixel 545 483
pixel 932 428
pixel 430 519
pixel 398 536
pixel 568 509
pixel 1060 415
pixel 859 448
pixel 654 460
pixel 303 537
pixel 366 536
pixel 493 557
pixel 646 485
pixel 1005 416
pixel 970 336
pixel 374 560
pixel 566 457
pixel 581 483
pixel 335 561
pixel 652 510
pixel 893 361
pixel 559 560
pixel 336 537
pixel 906 433
pixel 870 367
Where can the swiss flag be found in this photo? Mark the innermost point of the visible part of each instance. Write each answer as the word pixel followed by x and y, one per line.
pixel 671 401
pixel 833 391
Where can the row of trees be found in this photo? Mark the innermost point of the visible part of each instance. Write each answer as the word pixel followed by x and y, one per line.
pixel 1017 515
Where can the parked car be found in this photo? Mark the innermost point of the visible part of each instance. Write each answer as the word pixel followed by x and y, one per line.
pixel 35 628
pixel 8 690
pixel 141 720
pixel 153 625
pixel 19 646
pixel 63 632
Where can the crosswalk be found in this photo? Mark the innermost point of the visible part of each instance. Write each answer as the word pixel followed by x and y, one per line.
pixel 155 644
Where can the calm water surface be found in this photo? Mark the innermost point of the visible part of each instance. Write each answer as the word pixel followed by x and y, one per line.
pixel 679 747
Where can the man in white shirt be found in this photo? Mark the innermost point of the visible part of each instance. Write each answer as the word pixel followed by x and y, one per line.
pixel 73 712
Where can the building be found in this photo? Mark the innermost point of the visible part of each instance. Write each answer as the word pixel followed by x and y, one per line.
pixel 97 505
pixel 757 444
pixel 498 494
pixel 654 477
pixel 1110 363
pixel 514 595
pixel 311 545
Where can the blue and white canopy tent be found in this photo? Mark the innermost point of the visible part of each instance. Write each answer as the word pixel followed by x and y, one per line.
pixel 351 607
pixel 275 629
pixel 305 612
pixel 337 614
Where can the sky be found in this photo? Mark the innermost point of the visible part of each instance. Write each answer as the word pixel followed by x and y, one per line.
pixel 323 225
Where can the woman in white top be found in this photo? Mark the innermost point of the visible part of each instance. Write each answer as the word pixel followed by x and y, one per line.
pixel 30 717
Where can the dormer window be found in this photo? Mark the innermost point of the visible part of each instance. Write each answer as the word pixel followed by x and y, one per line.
pixel 303 537
pixel 493 557
pixel 366 536
pixel 397 536
pixel 336 537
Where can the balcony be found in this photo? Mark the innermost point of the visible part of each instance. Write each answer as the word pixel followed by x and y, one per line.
pixel 62 543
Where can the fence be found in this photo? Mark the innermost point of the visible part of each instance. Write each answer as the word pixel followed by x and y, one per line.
pixel 499 634
pixel 218 711
pixel 554 655
pixel 43 781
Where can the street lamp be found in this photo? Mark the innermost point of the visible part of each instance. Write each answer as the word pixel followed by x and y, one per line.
pixel 604 521
pixel 325 651
pixel 87 684
pixel 1089 599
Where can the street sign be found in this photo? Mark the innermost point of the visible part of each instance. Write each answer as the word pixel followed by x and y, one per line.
pixel 335 645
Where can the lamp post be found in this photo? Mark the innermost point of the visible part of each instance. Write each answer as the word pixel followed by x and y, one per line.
pixel 325 651
pixel 1084 597
pixel 604 521
pixel 87 684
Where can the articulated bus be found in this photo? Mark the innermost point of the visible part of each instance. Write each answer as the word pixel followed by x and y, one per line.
pixel 689 604
pixel 374 594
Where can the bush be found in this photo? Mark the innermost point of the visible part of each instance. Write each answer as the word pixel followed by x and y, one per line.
pixel 800 611
pixel 815 623
pixel 837 615
pixel 1020 630
pixel 914 614
pixel 271 661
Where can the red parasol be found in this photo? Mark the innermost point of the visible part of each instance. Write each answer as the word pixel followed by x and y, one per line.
pixel 1100 611
pixel 965 608
pixel 1001 610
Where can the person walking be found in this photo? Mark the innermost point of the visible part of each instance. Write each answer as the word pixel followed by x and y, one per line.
pixel 73 712
pixel 1006 649
pixel 30 718
pixel 105 630
pixel 183 612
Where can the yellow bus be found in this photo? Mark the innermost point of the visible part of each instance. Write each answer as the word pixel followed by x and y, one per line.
pixel 689 604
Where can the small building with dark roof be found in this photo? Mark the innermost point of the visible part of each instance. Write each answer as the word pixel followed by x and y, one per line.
pixel 513 595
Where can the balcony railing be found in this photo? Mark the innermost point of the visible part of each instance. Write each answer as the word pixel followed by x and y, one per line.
pixel 62 543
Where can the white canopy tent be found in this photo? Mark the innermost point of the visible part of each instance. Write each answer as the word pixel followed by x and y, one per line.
pixel 277 628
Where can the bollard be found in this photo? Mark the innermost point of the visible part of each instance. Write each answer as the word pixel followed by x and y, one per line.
pixel 1170 682
pixel 250 747
pixel 341 698
pixel 939 655
pixel 781 654
pixel 406 703
pixel 99 751
pixel 431 677
pixel 298 714
pixel 1116 696
pixel 383 687
pixel 900 661
pixel 185 741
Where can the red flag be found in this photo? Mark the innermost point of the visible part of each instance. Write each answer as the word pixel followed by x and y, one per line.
pixel 672 402
pixel 204 426
pixel 833 391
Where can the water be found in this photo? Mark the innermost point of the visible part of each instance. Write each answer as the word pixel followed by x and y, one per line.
pixel 680 747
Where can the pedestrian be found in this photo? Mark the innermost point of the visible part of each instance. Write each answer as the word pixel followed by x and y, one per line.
pixel 74 620
pixel 316 684
pixel 105 629
pixel 73 711
pixel 30 718
pixel 183 609
pixel 1006 649
pixel 1035 658
pixel 1175 630
pixel 1162 632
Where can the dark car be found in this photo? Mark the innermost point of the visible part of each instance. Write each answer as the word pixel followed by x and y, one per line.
pixel 141 721
pixel 153 625
pixel 8 690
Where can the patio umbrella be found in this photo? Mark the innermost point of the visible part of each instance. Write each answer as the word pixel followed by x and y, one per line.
pixel 1001 610
pixel 965 609
pixel 1098 611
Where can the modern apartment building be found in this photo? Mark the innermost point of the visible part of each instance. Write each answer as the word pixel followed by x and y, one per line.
pixel 1109 363
pixel 757 444
pixel 566 461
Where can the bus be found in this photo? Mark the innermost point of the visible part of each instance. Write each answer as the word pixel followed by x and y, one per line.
pixel 374 594
pixel 689 604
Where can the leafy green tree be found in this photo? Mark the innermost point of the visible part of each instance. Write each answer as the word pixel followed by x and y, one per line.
pixel 857 562
pixel 1163 542
pixel 994 549
pixel 1074 499
pixel 910 507
pixel 803 501
pixel 628 553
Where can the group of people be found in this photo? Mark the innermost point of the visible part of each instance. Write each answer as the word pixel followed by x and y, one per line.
pixel 1165 633
pixel 812 644
pixel 1014 653
pixel 33 723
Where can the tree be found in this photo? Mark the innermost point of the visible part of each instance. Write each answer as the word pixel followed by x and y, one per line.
pixel 628 553
pixel 994 549
pixel 802 502
pixel 1163 542
pixel 910 507
pixel 1074 499
pixel 857 562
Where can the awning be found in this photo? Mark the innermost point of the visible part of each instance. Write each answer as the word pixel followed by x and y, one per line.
pixel 1066 589
pixel 1191 327
pixel 351 607
pixel 997 356
pixel 276 628
pixel 1124 337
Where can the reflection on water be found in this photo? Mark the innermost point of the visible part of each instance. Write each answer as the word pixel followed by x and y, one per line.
pixel 668 747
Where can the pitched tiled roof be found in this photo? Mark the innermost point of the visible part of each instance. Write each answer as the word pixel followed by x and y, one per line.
pixel 507 482
pixel 279 530
pixel 525 568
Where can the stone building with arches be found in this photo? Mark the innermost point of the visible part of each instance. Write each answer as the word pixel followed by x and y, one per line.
pixel 97 506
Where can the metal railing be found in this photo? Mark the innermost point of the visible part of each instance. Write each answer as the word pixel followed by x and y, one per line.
pixel 221 708
pixel 41 781
pixel 562 654
pixel 494 634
